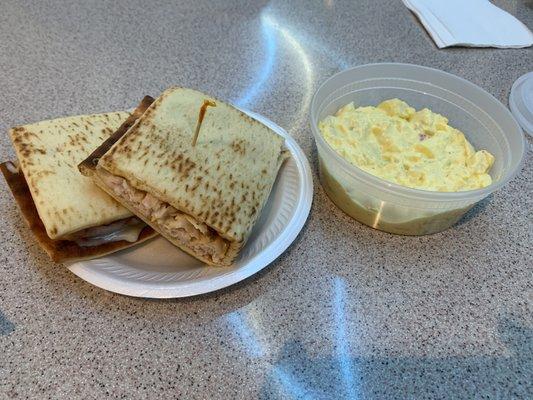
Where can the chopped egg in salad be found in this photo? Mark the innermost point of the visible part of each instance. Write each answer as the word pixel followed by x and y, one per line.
pixel 417 149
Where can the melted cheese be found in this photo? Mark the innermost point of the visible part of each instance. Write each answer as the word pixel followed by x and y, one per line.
pixel 126 229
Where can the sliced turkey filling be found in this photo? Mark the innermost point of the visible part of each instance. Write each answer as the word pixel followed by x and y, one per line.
pixel 127 229
pixel 185 230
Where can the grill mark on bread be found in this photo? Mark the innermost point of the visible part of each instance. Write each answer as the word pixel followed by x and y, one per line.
pixel 224 181
pixel 239 146
pixel 49 146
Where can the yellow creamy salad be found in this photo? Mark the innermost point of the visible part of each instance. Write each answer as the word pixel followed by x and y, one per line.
pixel 417 149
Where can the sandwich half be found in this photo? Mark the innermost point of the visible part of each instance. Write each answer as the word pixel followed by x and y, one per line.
pixel 199 176
pixel 69 215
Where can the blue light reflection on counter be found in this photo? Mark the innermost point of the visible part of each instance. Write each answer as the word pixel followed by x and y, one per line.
pixel 343 355
pixel 290 385
pixel 246 328
pixel 266 69
pixel 299 50
pixel 246 335
pixel 271 26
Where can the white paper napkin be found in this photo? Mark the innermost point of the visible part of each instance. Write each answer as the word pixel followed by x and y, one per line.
pixel 473 23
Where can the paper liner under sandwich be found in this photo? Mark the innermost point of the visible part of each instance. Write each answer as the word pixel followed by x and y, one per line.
pixel 58 250
pixel 160 144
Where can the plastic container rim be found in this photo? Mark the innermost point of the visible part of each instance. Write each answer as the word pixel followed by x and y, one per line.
pixel 394 188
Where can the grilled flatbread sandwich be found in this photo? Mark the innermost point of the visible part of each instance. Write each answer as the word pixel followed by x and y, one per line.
pixel 69 215
pixel 196 169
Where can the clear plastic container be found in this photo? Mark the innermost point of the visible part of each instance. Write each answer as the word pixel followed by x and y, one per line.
pixel 383 205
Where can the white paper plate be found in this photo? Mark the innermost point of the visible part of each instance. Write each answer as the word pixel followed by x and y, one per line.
pixel 157 269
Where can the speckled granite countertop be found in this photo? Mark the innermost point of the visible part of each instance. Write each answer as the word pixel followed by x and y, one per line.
pixel 346 312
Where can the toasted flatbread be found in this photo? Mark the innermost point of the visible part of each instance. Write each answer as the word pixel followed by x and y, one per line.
pixel 58 250
pixel 48 153
pixel 88 165
pixel 211 193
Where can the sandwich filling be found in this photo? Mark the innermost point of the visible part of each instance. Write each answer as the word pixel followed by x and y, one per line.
pixel 127 229
pixel 182 228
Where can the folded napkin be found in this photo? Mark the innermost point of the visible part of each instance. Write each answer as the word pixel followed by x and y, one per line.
pixel 473 23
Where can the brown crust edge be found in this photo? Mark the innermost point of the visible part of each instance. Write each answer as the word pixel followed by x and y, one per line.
pixel 59 250
pixel 88 166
